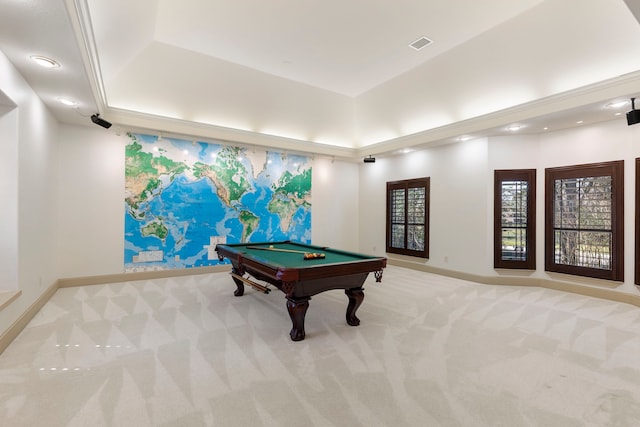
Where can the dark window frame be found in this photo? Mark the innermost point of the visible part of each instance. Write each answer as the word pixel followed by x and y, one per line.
pixel 615 170
pixel 637 231
pixel 406 184
pixel 500 176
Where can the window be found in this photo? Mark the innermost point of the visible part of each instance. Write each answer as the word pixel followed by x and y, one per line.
pixel 584 208
pixel 408 217
pixel 514 215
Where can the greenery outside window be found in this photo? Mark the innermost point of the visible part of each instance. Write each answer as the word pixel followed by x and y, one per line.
pixel 584 220
pixel 514 231
pixel 408 217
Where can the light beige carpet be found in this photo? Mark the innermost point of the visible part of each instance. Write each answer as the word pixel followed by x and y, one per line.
pixel 430 351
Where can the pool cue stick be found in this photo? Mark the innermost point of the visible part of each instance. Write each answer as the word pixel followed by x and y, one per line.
pixel 277 250
pixel 251 283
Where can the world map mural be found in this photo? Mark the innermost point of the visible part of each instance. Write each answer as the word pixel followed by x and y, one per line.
pixel 183 197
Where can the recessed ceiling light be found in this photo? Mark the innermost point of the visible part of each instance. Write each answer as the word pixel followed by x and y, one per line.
pixel 514 128
pixel 68 102
pixel 464 138
pixel 43 61
pixel 579 122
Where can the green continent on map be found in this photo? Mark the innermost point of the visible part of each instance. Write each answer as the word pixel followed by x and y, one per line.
pixel 249 223
pixel 155 228
pixel 227 174
pixel 296 185
pixel 284 208
pixel 142 172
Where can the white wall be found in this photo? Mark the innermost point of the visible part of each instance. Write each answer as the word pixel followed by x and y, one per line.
pixel 458 202
pixel 461 224
pixel 8 195
pixel 90 218
pixel 35 130
pixel 607 141
pixel 335 210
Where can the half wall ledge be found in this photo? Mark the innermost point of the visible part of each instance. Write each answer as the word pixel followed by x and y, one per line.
pixel 7 297
pixel 144 275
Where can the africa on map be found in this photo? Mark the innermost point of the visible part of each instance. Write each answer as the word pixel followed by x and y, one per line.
pixel 184 197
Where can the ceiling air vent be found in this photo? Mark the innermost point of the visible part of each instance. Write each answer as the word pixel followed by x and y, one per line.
pixel 420 43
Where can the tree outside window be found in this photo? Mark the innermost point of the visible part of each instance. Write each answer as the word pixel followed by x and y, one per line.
pixel 514 219
pixel 408 217
pixel 584 208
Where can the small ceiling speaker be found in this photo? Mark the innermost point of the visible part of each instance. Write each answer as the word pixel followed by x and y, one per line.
pixel 100 122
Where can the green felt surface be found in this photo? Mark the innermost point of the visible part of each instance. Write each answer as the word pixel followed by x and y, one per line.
pixel 296 260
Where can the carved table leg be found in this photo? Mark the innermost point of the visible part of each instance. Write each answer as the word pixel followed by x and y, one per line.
pixel 356 295
pixel 297 308
pixel 240 291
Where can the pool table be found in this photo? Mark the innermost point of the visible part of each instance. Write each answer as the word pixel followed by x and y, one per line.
pixel 284 265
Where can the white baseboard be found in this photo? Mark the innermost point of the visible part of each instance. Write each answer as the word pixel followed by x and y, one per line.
pixel 603 289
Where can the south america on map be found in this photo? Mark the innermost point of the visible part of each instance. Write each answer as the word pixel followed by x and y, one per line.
pixel 184 197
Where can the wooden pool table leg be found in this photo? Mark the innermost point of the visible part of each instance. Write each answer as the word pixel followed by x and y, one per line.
pixel 356 296
pixel 240 291
pixel 297 308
